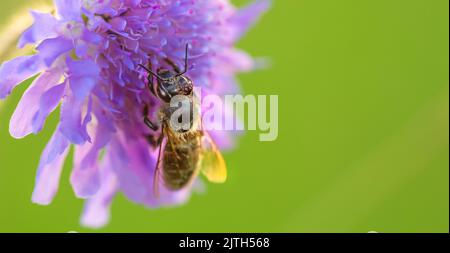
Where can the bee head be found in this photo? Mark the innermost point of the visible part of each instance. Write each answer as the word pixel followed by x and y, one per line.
pixel 171 84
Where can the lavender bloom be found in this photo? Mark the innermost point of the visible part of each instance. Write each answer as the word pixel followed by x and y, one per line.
pixel 87 59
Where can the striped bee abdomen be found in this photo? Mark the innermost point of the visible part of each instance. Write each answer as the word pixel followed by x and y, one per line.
pixel 180 161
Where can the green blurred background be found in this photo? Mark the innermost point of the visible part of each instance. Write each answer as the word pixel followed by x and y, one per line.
pixel 363 142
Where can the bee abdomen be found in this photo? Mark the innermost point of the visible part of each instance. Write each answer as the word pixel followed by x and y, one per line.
pixel 179 163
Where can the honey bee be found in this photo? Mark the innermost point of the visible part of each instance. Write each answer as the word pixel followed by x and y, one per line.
pixel 183 152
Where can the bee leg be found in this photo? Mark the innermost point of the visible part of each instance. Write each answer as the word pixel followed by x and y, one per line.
pixel 157 171
pixel 150 124
pixel 153 140
pixel 160 139
pixel 151 84
pixel 174 66
pixel 150 77
pixel 147 121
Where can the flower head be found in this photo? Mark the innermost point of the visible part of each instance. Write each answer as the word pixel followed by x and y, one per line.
pixel 87 57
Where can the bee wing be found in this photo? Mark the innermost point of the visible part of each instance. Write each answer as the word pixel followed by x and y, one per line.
pixel 158 167
pixel 212 164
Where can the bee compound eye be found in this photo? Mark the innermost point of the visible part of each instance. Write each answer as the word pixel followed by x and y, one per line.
pixel 186 86
pixel 163 95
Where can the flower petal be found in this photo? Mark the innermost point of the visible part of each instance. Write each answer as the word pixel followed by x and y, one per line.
pixel 85 178
pixel 44 27
pixel 248 16
pixel 16 71
pixel 69 9
pixel 237 60
pixel 82 86
pixel 72 124
pixel 134 166
pixel 83 76
pixel 21 122
pixel 50 49
pixel 47 104
pixel 50 167
pixel 83 68
pixel 96 211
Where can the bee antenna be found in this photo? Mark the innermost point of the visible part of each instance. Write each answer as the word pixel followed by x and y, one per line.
pixel 185 61
pixel 151 72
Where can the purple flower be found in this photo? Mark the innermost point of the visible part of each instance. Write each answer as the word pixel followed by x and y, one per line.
pixel 87 59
